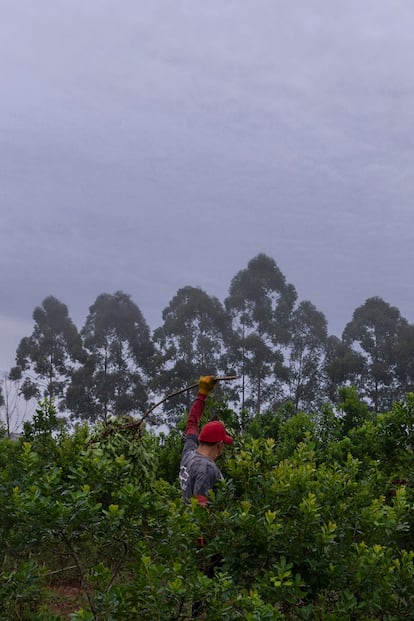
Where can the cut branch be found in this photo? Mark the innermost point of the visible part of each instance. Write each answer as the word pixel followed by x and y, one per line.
pixel 137 424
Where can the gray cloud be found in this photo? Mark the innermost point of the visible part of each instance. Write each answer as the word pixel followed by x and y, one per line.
pixel 149 146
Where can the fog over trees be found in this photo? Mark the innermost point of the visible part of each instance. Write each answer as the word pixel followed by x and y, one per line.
pixel 278 346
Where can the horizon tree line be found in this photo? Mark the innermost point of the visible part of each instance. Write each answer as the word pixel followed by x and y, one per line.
pixel 278 347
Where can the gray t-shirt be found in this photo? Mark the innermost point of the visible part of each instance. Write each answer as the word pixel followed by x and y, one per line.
pixel 198 474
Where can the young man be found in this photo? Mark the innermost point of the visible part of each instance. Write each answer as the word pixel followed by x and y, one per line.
pixel 198 470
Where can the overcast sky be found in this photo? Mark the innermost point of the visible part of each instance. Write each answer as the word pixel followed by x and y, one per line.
pixel 147 145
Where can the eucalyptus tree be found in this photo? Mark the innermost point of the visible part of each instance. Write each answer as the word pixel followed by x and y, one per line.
pixel 13 407
pixel 260 303
pixel 191 342
pixel 5 428
pixel 343 366
pixel 375 331
pixel 260 361
pixel 46 359
pixel 405 359
pixel 309 332
pixel 119 361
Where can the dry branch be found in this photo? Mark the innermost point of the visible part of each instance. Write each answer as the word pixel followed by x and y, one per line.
pixel 137 424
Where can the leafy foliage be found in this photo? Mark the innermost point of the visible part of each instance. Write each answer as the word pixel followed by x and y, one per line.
pixel 309 334
pixel 260 303
pixel 191 342
pixel 312 521
pixel 46 358
pixel 315 517
pixel 376 327
pixel 119 360
pixel 280 349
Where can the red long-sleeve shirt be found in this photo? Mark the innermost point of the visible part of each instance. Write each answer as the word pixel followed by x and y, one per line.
pixel 198 473
pixel 194 417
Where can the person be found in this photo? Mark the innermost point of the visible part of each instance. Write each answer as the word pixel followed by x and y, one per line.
pixel 198 471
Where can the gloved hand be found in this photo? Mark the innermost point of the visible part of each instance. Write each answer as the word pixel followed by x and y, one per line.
pixel 206 384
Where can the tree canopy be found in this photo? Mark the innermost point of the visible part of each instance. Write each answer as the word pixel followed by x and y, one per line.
pixel 279 348
pixel 118 363
pixel 46 359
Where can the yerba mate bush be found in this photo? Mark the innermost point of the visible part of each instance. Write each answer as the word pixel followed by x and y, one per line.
pixel 317 530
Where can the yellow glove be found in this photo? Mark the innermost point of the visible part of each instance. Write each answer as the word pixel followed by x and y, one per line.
pixel 206 384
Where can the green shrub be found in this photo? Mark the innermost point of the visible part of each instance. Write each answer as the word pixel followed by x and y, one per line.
pixel 300 528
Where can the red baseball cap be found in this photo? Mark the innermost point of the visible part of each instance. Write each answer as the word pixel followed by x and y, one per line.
pixel 213 432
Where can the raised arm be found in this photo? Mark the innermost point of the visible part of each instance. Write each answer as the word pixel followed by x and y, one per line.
pixel 205 386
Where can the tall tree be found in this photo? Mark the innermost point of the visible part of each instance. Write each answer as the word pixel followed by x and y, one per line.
pixel 343 366
pixel 306 355
pixel 260 303
pixel 405 359
pixel 119 360
pixel 2 404
pixel 191 342
pixel 46 359
pixel 14 412
pixel 375 330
